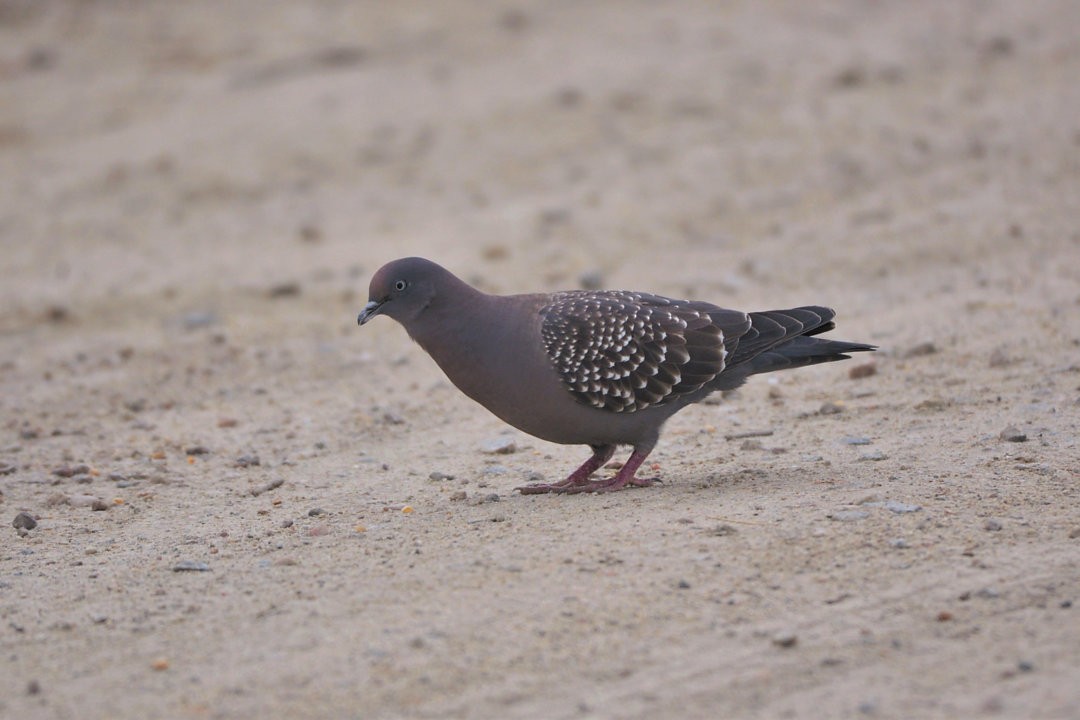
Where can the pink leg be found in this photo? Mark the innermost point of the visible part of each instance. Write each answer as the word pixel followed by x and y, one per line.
pixel 601 454
pixel 579 482
pixel 624 478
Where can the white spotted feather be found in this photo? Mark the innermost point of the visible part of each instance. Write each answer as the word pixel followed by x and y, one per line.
pixel 626 351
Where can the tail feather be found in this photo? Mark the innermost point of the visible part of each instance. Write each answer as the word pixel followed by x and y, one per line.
pixel 773 328
pixel 803 351
pixel 784 339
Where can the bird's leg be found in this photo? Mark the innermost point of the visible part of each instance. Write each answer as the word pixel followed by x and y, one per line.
pixel 578 478
pixel 579 482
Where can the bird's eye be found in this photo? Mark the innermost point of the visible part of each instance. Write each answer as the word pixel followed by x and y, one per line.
pixel 400 285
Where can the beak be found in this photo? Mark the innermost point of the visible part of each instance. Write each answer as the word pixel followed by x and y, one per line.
pixel 370 310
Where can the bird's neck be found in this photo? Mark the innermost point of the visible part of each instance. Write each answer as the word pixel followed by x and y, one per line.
pixel 444 327
pixel 469 340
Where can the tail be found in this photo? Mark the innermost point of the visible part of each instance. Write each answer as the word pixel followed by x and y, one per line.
pixel 784 339
pixel 802 351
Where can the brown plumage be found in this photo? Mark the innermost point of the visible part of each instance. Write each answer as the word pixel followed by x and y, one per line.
pixel 600 368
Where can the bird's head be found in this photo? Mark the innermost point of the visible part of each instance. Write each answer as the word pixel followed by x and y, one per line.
pixel 403 290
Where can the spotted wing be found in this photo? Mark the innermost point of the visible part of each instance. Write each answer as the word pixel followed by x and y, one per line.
pixel 626 351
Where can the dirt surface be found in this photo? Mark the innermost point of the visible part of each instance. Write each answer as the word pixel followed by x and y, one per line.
pixel 296 516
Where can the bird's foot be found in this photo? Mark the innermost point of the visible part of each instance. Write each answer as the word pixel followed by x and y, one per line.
pixel 579 481
pixel 601 454
pixel 591 486
pixel 541 488
pixel 618 483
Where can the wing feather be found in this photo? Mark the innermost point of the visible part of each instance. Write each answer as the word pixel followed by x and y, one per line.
pixel 625 351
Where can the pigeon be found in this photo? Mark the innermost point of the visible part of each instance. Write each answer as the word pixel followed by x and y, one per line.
pixel 601 368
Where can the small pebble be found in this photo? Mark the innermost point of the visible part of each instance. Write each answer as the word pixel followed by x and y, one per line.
pixel 195 320
pixel 873 456
pixel 864 370
pixel 33 687
pixel 458 496
pixel 440 476
pixel 920 349
pixel 683 585
pixel 499 446
pixel 495 251
pixel 491 497
pixel 900 508
pixel 1025 666
pixel 992 525
pixel 82 500
pixel 98 505
pixel 1013 434
pixel 318 531
pixel 899 543
pixel 1002 46
pixel 24 521
pixel 849 515
pixel 569 97
pixel 285 289
pixel 310 233
pixel 247 461
pixel 855 440
pixel 196 450
pixel 71 470
pixel 999 358
pixel 160 664
pixel 286 523
pixel 785 639
pixel 272 485
pixel 392 418
pixel 190 566
pixel 315 512
pixel 850 77
pixel 831 408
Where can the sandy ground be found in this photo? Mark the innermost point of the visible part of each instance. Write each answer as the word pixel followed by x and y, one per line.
pixel 194 195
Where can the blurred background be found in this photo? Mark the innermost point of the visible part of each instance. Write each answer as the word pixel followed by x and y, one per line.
pixel 157 154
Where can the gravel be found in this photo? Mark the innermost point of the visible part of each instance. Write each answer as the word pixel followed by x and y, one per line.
pixel 499 446
pixel 24 521
pixel 1013 434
